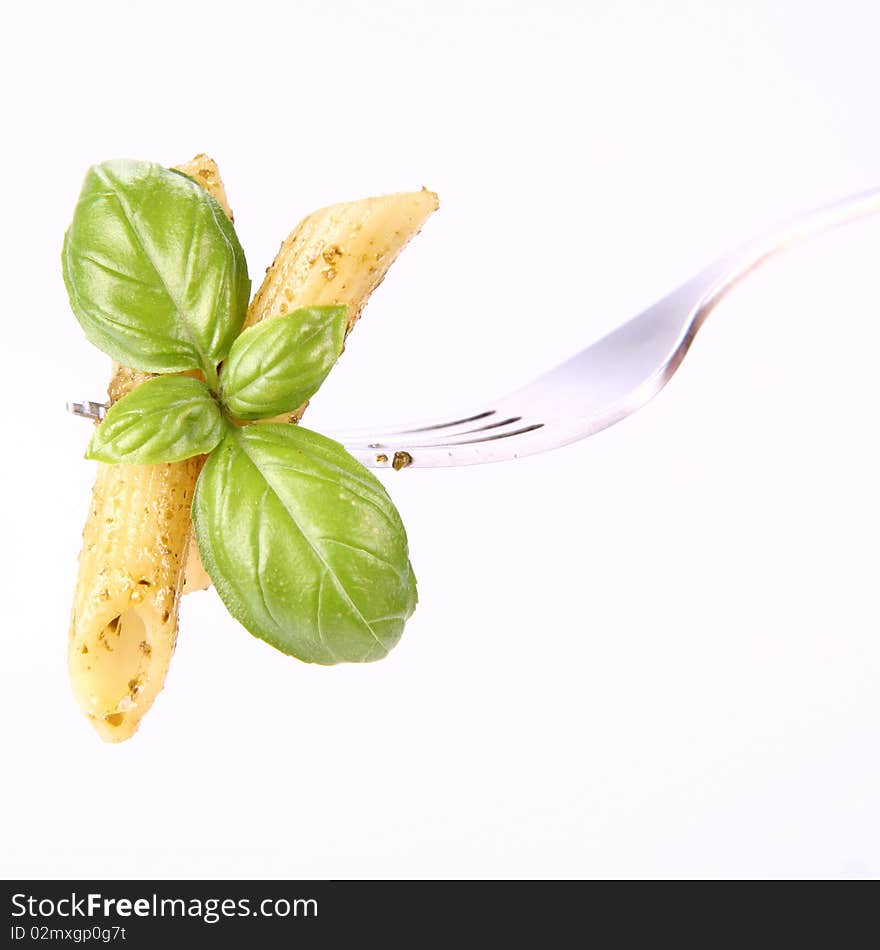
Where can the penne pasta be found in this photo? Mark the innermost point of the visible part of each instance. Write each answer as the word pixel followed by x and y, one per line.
pixel 138 541
pixel 124 620
pixel 340 254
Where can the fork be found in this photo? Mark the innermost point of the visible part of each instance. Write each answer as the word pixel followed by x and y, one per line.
pixel 602 384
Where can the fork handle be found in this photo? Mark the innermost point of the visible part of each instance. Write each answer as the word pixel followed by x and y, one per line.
pixel 719 278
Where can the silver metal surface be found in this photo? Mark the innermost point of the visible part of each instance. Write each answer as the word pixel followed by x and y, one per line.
pixel 600 385
pixel 88 410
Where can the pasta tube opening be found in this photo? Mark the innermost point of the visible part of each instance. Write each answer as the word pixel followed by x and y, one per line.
pixel 117 669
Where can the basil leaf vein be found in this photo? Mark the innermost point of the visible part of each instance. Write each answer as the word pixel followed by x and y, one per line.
pixel 303 544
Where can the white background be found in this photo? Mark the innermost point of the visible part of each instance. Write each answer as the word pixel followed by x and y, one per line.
pixel 652 653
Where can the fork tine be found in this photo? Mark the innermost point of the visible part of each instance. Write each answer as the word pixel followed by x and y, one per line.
pixel 437 438
pixel 413 431
pixel 459 440
pixel 447 425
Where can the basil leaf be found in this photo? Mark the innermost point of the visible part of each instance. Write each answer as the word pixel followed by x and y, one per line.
pixel 166 419
pixel 303 544
pixel 278 364
pixel 153 268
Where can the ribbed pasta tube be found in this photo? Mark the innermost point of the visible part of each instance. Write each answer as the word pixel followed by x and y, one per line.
pixel 137 542
pixel 340 254
pixel 124 620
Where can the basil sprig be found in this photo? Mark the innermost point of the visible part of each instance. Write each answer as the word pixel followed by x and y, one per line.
pixel 303 543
